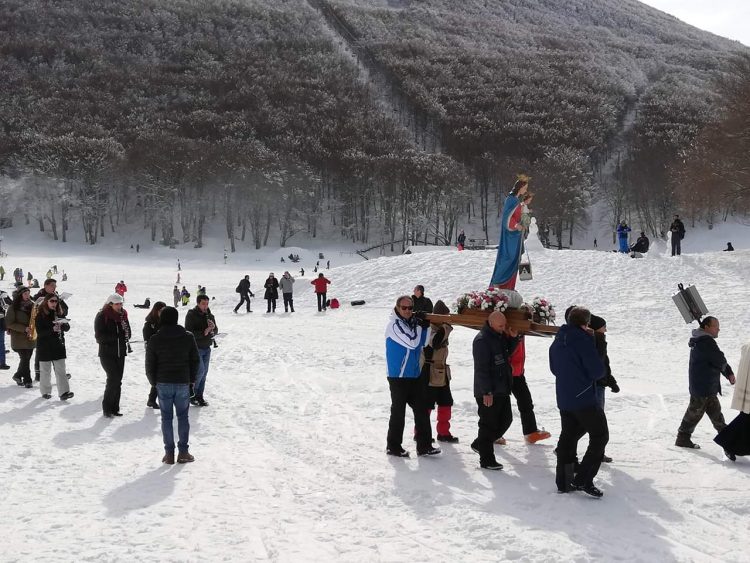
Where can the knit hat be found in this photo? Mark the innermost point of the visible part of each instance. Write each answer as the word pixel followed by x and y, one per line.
pixel 441 308
pixel 115 298
pixel 168 316
pixel 597 322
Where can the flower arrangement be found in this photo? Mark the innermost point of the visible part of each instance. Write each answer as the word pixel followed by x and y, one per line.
pixel 491 299
pixel 544 311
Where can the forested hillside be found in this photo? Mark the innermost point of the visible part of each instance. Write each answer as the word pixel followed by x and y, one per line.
pixel 175 113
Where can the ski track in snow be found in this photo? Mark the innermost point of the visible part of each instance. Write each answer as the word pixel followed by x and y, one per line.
pixel 290 461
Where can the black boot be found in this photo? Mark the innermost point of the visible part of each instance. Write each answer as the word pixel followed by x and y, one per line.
pixel 564 477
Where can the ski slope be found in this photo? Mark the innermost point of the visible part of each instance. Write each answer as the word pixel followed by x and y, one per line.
pixel 290 462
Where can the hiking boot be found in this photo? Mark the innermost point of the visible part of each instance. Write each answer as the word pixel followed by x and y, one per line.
pixel 46 396
pixel 589 489
pixel 400 452
pixel 606 459
pixel 429 451
pixel 184 457
pixel 500 441
pixel 730 455
pixel 686 443
pixel 194 401
pixel 534 437
pixel 492 465
pixel 447 438
pixel 202 402
pixel 168 458
pixel 66 396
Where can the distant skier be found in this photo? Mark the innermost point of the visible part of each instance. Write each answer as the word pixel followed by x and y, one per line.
pixel 622 236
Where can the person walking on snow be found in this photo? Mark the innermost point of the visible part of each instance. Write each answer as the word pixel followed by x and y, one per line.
pixel 243 288
pixel 437 375
pixel 405 336
pixel 491 350
pixel 272 292
pixel 286 284
pixel 520 390
pixel 185 296
pixel 707 364
pixel 176 295
pixel 577 367
pixel 321 288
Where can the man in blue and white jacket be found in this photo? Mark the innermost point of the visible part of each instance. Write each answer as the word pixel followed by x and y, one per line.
pixel 405 336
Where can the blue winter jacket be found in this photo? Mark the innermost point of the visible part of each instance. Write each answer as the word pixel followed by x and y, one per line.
pixel 707 363
pixel 404 341
pixel 577 366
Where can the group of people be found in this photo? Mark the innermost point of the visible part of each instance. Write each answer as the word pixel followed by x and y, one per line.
pixel 37 326
pixel 272 285
pixel 419 376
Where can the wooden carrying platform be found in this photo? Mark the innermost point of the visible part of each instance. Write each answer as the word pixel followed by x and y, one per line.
pixel 518 319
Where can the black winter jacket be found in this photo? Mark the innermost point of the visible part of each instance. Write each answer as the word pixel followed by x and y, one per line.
pixel 149 329
pixel 492 370
pixel 196 321
pixel 61 305
pixel 172 356
pixel 422 304
pixel 601 346
pixel 243 288
pixel 707 362
pixel 272 289
pixel 50 345
pixel 111 335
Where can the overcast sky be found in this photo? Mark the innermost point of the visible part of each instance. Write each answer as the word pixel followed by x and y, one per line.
pixel 729 18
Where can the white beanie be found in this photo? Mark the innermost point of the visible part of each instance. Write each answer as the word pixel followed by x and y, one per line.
pixel 115 298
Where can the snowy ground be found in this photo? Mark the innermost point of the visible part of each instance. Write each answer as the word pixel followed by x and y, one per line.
pixel 290 461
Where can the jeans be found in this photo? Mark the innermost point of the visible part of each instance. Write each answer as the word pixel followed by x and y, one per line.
pixel 174 397
pixel 288 302
pixel 114 368
pixel 676 244
pixel 321 301
pixel 200 382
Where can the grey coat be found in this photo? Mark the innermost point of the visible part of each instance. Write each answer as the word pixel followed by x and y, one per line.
pixel 286 284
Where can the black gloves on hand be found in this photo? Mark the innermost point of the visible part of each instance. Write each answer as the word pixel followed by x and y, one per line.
pixel 615 388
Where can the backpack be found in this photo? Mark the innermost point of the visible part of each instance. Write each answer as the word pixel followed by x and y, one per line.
pixel 237 289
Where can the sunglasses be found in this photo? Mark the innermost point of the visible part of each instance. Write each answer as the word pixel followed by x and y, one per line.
pixel 407 308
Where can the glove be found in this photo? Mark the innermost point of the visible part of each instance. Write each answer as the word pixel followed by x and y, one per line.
pixel 614 387
pixel 192 391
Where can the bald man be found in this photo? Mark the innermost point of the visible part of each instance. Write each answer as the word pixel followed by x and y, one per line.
pixel 493 381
